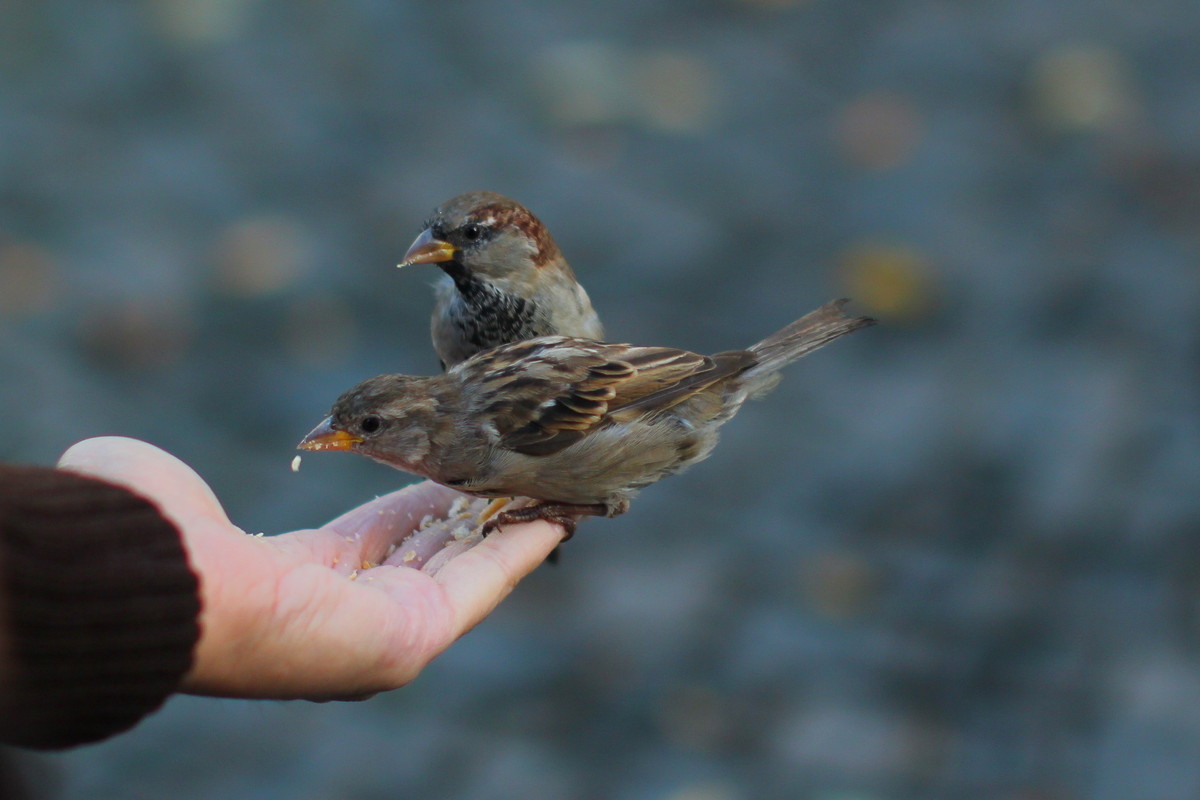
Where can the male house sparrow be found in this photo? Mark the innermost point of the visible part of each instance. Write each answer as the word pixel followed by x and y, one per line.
pixel 578 424
pixel 506 280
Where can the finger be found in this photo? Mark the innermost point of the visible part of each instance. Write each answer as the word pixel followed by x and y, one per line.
pixel 403 528
pixel 147 470
pixel 442 538
pixel 468 533
pixel 476 581
pixel 375 528
pixel 437 549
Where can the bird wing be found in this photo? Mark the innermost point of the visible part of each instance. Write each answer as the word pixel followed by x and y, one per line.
pixel 664 377
pixel 543 395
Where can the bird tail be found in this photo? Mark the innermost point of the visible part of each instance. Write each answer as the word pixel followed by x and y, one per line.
pixel 811 332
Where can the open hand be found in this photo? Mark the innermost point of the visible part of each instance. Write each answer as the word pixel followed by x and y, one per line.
pixel 343 611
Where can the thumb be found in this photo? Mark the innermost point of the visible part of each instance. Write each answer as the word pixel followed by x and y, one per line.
pixel 147 470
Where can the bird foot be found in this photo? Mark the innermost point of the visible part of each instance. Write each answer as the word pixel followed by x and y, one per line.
pixel 561 513
pixel 494 508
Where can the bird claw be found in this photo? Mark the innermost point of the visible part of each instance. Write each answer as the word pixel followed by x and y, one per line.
pixel 549 512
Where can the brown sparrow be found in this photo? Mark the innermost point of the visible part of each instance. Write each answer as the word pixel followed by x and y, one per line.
pixel 577 424
pixel 506 280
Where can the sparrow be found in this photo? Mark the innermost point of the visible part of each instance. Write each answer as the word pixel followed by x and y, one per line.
pixel 576 424
pixel 505 278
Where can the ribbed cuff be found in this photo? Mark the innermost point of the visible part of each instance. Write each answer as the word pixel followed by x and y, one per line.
pixel 100 608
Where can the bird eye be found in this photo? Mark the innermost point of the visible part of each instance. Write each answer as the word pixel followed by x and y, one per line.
pixel 370 424
pixel 472 232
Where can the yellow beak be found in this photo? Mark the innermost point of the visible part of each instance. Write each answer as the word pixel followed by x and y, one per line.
pixel 325 437
pixel 427 249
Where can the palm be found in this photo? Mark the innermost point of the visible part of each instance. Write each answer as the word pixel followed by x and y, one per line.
pixel 329 612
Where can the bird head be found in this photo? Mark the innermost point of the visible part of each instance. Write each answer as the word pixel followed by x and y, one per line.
pixel 387 418
pixel 487 235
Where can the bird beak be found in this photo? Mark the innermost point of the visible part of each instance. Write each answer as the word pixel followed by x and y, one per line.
pixel 428 250
pixel 325 437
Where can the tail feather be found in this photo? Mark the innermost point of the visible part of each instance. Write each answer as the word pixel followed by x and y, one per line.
pixel 811 332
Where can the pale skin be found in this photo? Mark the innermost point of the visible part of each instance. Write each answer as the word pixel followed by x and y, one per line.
pixel 324 613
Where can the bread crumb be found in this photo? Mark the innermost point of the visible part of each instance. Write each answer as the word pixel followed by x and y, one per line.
pixel 354 575
pixel 410 556
pixel 366 565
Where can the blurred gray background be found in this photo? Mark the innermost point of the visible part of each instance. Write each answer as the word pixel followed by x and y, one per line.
pixel 951 557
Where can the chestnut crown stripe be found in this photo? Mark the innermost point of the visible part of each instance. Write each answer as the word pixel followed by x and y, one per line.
pixel 504 214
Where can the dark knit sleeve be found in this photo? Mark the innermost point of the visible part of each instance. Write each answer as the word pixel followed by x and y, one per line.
pixel 98 608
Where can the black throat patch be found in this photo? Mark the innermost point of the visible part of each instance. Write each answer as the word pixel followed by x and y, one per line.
pixel 489 316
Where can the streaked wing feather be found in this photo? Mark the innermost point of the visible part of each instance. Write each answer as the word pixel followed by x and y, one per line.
pixel 562 406
pixel 714 369
pixel 566 391
pixel 656 369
